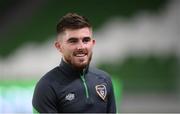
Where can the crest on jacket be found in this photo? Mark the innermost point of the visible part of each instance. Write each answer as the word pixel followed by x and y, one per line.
pixel 101 91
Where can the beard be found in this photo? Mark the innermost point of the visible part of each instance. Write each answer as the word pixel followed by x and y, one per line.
pixel 79 63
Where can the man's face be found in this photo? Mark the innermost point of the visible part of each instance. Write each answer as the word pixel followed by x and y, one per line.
pixel 76 46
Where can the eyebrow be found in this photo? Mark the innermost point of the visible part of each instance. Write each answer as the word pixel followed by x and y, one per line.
pixel 75 38
pixel 71 39
pixel 87 37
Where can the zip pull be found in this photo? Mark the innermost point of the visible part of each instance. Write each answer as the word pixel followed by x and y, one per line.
pixel 85 85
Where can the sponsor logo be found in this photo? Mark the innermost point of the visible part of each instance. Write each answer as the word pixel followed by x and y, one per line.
pixel 70 97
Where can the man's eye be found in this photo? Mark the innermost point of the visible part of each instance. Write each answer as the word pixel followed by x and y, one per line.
pixel 72 40
pixel 86 39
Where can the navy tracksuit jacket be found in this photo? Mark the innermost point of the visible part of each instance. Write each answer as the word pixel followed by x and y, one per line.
pixel 64 89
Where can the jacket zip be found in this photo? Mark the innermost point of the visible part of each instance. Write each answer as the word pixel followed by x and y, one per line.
pixel 85 85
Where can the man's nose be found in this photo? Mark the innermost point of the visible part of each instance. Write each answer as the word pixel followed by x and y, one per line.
pixel 80 45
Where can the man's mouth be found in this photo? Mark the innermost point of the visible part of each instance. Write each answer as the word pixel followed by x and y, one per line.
pixel 80 55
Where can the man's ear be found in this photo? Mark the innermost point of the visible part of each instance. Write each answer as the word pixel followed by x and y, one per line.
pixel 57 45
pixel 94 41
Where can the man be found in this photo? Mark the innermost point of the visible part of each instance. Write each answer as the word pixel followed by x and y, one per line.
pixel 74 86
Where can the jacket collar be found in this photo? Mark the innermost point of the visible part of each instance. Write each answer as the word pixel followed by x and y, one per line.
pixel 70 71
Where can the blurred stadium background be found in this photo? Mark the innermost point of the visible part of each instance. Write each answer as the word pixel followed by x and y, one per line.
pixel 137 43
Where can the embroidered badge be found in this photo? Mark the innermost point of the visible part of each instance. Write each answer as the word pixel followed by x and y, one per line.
pixel 70 97
pixel 101 91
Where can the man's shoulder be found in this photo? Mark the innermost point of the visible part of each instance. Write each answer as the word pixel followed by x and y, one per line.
pixel 50 76
pixel 99 73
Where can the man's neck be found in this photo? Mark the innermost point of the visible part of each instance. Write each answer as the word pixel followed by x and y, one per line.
pixel 74 67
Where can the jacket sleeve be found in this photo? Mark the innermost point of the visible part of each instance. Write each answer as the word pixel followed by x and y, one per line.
pixel 44 98
pixel 111 99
